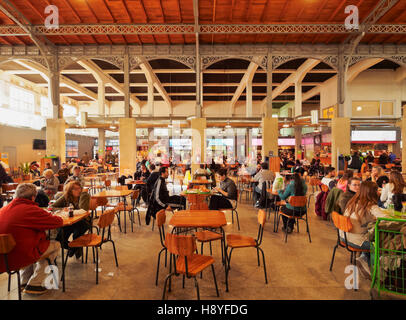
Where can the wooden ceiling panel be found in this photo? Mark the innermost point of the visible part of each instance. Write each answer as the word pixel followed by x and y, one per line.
pixel 211 11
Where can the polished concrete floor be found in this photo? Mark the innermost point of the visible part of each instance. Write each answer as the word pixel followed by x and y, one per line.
pixel 296 269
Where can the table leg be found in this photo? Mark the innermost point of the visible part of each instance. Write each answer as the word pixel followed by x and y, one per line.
pixel 63 260
pixel 125 223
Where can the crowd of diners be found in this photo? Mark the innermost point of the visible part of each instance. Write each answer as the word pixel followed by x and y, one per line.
pixel 361 192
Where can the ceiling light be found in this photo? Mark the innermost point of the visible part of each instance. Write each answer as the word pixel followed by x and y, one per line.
pixel 274 115
pixel 359 108
pixel 228 126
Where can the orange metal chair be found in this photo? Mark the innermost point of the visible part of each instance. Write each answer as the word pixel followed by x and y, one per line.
pixel 188 263
pixel 131 209
pixel 344 224
pixel 160 221
pixel 235 241
pixel 96 241
pixel 7 244
pixel 297 202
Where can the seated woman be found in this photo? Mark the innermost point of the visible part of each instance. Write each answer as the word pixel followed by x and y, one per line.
pixel 296 187
pixel 396 185
pixel 74 195
pixel 362 209
pixel 342 183
pixel 228 191
pixel 49 184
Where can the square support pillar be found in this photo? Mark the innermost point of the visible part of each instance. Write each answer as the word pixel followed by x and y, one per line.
pixel 128 145
pixel 298 99
pixel 55 137
pixel 270 134
pixel 198 126
pixel 340 139
pixel 101 89
pixel 403 133
pixel 248 98
pixel 298 142
pixel 102 143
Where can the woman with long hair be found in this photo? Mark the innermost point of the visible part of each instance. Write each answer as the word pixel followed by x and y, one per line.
pixel 342 183
pixel 362 209
pixel 396 185
pixel 296 187
pixel 74 195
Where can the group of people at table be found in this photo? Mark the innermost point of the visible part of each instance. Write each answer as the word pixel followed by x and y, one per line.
pixel 24 218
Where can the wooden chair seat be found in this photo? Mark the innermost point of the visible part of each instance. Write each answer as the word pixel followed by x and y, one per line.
pixel 195 264
pixel 354 249
pixel 128 207
pixel 289 216
pixel 239 241
pixel 87 240
pixel 280 203
pixel 206 236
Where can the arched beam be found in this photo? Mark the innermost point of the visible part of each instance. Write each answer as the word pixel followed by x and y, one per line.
pixel 100 75
pixel 300 73
pixel 152 78
pixel 66 81
pixel 248 76
pixel 352 73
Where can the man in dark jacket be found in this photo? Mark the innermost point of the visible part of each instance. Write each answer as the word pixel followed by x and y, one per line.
pixel 353 186
pixel 383 159
pixel 160 198
pixel 355 162
pixel 27 223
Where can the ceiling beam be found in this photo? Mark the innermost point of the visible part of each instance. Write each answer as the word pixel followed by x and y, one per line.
pixel 152 78
pixel 208 71
pixel 301 72
pixel 248 76
pixel 100 75
pixel 184 84
pixel 66 81
pixel 154 29
pixel 352 73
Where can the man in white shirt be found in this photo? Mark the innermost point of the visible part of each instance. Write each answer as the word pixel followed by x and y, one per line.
pixel 330 174
pixel 263 175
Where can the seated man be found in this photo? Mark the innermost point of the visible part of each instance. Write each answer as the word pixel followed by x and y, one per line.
pixel 263 175
pixel 160 198
pixel 228 191
pixel 27 223
pixel 328 179
pixel 77 176
pixel 200 172
pixel 63 173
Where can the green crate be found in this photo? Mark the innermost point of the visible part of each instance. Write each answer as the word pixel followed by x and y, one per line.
pixel 389 270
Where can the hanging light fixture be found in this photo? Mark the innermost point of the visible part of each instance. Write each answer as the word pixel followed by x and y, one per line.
pixel 285 124
pixel 228 126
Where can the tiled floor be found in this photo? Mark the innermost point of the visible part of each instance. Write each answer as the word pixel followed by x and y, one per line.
pixel 296 269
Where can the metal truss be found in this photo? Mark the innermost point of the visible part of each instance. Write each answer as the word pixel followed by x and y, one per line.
pixel 128 29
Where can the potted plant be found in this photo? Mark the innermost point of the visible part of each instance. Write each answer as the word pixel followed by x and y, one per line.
pixel 25 169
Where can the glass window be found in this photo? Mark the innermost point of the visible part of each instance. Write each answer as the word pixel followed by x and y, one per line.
pixel 22 100
pixel 72 149
pixel 21 119
pixel 69 111
pixel 46 107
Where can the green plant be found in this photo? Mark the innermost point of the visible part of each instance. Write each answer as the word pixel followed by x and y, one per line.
pixel 25 168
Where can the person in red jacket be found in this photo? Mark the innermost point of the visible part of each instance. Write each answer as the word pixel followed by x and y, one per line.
pixel 27 223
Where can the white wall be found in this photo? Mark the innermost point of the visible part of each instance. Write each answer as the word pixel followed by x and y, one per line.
pixel 375 85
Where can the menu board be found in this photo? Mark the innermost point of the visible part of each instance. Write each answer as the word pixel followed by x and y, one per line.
pixel 373 136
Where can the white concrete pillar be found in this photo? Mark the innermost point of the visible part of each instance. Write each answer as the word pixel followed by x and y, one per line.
pixel 248 98
pixel 101 90
pixel 298 98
